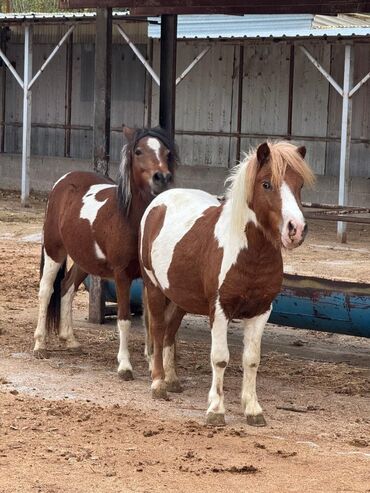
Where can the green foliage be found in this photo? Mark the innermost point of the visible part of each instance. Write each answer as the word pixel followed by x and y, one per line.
pixel 8 6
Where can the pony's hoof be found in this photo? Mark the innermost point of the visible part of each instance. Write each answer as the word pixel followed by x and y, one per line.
pixel 126 375
pixel 40 354
pixel 215 419
pixel 174 386
pixel 160 393
pixel 257 420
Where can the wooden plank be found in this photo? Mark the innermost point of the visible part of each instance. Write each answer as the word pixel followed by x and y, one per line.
pixel 159 7
pixel 101 133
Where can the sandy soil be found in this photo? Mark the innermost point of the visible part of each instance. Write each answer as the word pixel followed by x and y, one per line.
pixel 68 424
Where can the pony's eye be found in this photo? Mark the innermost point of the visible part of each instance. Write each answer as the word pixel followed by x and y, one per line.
pixel 267 185
pixel 138 152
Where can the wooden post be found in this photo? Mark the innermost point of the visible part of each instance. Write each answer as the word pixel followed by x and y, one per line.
pixel 101 135
pixel 167 93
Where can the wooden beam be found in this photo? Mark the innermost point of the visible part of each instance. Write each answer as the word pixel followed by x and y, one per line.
pixel 237 7
pixel 101 132
pixel 167 93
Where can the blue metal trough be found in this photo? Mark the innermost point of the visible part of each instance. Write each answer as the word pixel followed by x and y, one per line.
pixel 304 302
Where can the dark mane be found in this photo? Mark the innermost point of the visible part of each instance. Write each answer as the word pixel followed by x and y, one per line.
pixel 124 189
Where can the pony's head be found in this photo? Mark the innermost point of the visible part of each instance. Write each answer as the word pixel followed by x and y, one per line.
pixel 147 165
pixel 270 183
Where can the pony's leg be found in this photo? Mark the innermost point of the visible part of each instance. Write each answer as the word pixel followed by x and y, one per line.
pixel 71 282
pixel 148 351
pixel 219 361
pixel 253 330
pixel 49 273
pixel 123 283
pixel 156 303
pixel 173 317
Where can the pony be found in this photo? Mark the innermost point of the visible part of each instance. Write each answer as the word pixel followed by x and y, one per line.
pixel 222 260
pixel 96 223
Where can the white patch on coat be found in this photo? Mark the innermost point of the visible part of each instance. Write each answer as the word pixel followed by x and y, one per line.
pixel 60 179
pixel 169 365
pixel 155 145
pixel 151 276
pixel 91 206
pixel 231 241
pixel 183 208
pixel 98 251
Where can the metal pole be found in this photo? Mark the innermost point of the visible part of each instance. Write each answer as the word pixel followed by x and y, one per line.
pixel 167 93
pixel 345 143
pixel 26 136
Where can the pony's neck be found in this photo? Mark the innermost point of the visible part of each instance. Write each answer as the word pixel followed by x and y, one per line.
pixel 139 202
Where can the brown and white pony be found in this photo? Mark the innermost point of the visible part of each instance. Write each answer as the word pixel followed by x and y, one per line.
pixel 96 223
pixel 222 260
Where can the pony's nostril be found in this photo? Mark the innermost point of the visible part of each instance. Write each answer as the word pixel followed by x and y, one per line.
pixel 158 177
pixel 292 228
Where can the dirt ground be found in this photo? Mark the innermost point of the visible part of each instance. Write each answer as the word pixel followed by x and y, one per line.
pixel 68 424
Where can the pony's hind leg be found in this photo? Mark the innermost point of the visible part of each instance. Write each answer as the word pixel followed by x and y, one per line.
pixel 123 283
pixel 71 282
pixel 51 276
pixel 173 317
pixel 253 330
pixel 219 361
pixel 156 306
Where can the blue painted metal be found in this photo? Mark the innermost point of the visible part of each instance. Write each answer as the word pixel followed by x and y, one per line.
pixel 253 26
pixel 305 302
pixel 322 304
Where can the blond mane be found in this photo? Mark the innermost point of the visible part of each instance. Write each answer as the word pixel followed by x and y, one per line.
pixel 243 176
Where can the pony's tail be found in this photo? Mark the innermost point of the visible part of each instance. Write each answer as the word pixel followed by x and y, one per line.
pixel 53 313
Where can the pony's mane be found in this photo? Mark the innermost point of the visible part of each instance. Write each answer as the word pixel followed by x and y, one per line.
pixel 124 189
pixel 243 176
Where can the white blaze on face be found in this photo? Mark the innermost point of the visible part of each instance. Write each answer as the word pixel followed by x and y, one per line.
pixel 291 213
pixel 91 206
pixel 155 145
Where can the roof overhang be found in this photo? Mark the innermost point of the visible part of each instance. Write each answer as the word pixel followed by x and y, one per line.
pixel 159 7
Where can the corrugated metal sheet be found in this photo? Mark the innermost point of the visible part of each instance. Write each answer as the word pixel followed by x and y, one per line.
pixel 341 20
pixel 253 26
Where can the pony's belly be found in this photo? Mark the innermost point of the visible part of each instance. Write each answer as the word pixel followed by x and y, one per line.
pixel 188 300
pixel 246 306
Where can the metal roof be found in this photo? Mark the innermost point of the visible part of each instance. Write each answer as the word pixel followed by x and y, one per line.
pixel 254 26
pixel 55 16
pixel 341 20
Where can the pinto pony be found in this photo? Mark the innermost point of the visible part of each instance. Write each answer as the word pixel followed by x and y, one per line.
pixel 222 260
pixel 96 223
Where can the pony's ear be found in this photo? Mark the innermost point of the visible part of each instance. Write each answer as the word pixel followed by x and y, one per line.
pixel 128 132
pixel 302 151
pixel 263 153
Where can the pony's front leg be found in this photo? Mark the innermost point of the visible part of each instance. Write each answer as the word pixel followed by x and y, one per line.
pixel 219 361
pixel 123 283
pixel 253 330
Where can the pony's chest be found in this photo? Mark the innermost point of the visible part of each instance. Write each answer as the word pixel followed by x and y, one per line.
pixel 251 285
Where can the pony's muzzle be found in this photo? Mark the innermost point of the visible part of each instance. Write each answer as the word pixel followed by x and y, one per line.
pixel 160 178
pixel 294 234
